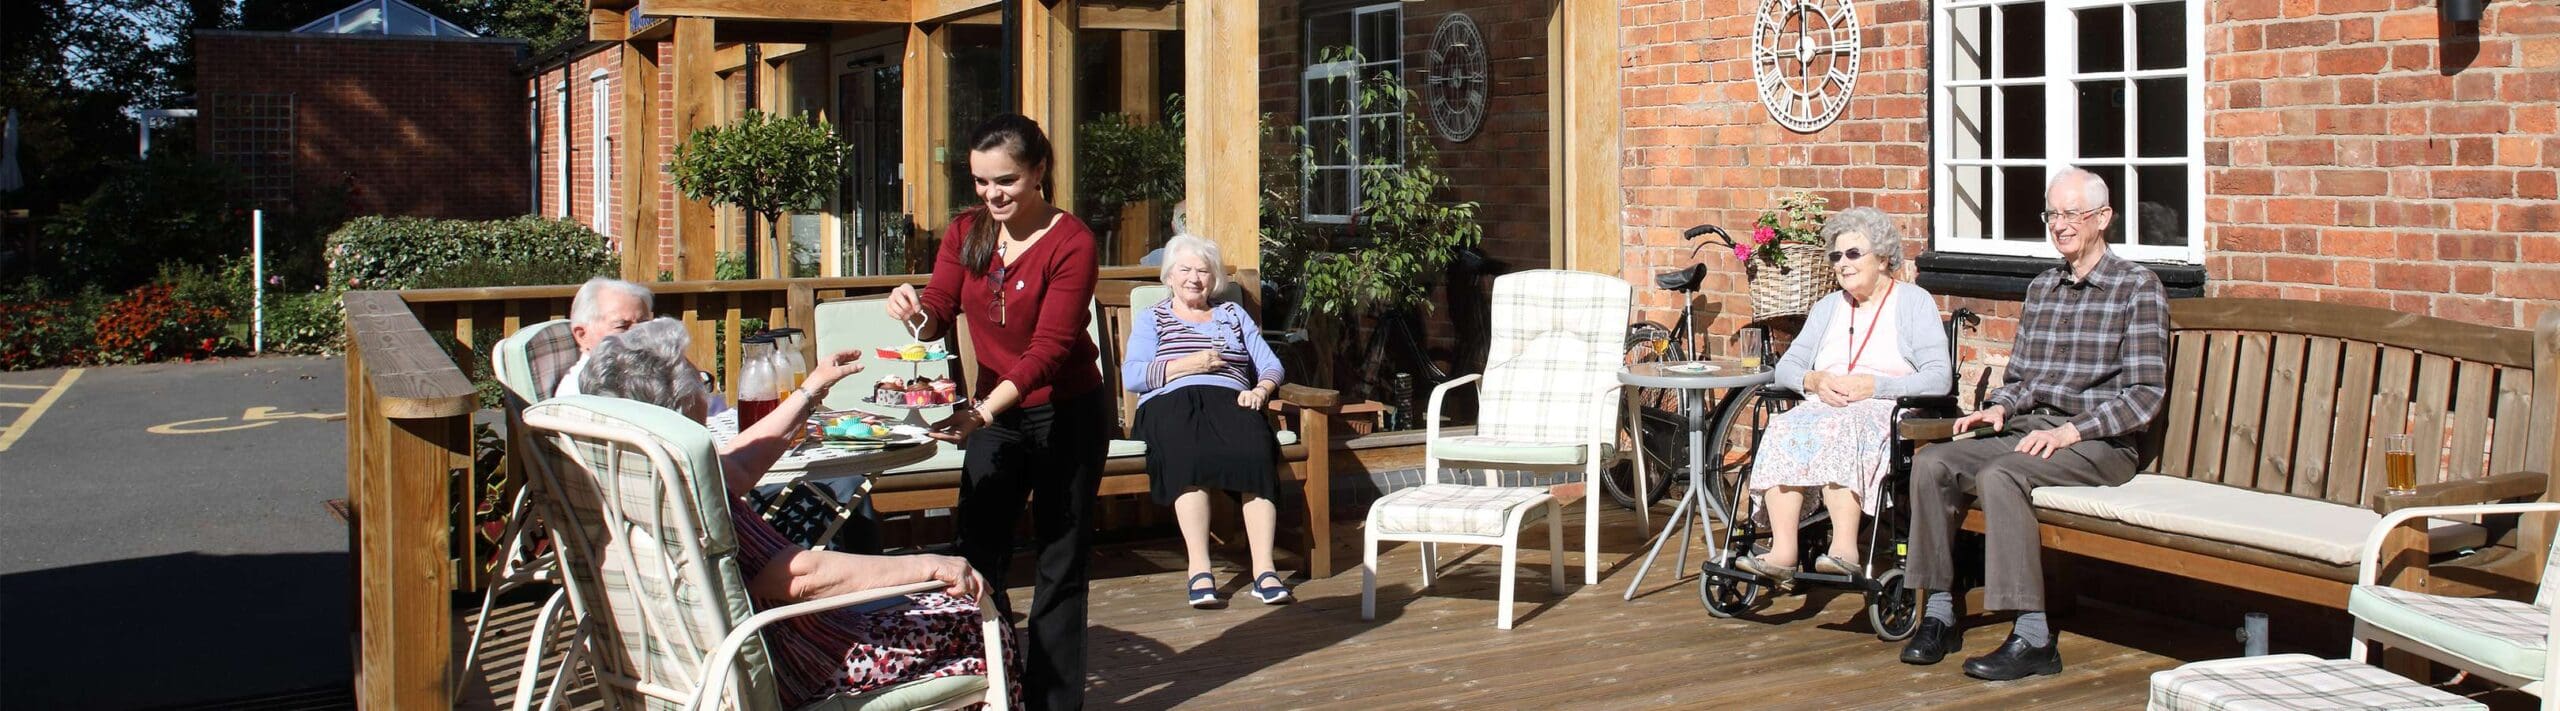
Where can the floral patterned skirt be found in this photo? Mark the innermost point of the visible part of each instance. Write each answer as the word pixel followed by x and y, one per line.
pixel 933 635
pixel 1818 445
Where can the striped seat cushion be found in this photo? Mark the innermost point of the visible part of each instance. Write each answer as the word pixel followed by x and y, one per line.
pixel 2505 635
pixel 1453 509
pixel 2286 682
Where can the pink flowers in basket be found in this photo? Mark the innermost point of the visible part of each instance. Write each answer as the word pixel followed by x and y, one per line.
pixel 1798 220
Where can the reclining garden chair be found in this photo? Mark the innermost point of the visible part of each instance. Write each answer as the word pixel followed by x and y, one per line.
pixel 2504 641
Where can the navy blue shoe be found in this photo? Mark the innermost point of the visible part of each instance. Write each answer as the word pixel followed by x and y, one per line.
pixel 1203 598
pixel 1272 594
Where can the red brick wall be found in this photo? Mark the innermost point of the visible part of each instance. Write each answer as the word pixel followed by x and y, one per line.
pixel 578 72
pixel 2352 153
pixel 420 126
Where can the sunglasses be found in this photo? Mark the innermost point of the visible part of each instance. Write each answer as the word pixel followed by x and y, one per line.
pixel 1851 254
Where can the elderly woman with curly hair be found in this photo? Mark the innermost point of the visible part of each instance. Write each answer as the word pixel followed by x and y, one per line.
pixel 1876 339
pixel 849 650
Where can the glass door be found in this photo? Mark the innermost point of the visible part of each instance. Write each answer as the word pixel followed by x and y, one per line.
pixel 875 225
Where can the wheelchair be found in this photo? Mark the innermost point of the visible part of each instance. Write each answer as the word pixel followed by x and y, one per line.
pixel 1891 609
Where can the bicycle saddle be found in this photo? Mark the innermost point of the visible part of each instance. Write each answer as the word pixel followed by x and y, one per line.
pixel 1681 280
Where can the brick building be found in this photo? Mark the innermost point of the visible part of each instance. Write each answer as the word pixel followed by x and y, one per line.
pixel 2357 151
pixel 430 124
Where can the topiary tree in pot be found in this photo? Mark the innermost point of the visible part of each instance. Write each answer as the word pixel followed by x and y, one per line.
pixel 763 164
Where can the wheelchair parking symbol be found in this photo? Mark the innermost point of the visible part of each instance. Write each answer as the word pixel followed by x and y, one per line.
pixel 251 418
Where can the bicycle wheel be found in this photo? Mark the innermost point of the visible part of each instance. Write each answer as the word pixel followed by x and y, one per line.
pixel 1666 441
pixel 1733 437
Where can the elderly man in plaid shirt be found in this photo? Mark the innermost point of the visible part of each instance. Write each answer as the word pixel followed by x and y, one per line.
pixel 2086 374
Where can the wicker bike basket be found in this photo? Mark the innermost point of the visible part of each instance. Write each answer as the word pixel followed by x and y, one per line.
pixel 1779 291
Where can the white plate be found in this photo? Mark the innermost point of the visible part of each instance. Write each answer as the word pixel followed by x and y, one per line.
pixel 1690 368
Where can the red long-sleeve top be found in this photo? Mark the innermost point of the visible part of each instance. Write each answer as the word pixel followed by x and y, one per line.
pixel 1042 347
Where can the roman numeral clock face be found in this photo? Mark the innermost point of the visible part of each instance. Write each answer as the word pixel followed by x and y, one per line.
pixel 1804 54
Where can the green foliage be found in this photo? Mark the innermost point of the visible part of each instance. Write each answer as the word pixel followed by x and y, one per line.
pixel 311 322
pixel 40 331
pixel 1404 236
pixel 167 209
pixel 1797 220
pixel 224 287
pixel 726 266
pixel 408 252
pixel 761 163
pixel 1120 160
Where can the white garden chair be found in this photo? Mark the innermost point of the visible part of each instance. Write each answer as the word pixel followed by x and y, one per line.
pixel 2504 641
pixel 639 520
pixel 528 365
pixel 1550 403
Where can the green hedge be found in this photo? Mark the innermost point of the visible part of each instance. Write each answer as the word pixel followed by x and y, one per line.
pixel 408 252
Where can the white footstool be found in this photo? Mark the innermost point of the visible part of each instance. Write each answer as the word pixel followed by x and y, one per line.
pixel 2292 682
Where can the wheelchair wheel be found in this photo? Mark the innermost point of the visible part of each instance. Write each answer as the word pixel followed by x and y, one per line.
pixel 1727 597
pixel 1894 610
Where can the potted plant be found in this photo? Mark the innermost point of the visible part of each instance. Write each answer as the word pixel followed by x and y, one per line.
pixel 1122 160
pixel 1784 260
pixel 763 164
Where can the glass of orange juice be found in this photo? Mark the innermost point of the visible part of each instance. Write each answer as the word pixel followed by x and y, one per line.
pixel 2399 465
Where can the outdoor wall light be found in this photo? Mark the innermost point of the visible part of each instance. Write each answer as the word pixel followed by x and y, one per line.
pixel 2462 10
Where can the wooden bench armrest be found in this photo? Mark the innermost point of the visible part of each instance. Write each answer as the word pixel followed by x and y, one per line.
pixel 2487 489
pixel 1308 397
pixel 1933 429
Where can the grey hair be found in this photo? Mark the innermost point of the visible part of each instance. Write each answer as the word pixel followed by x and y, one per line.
pixel 646 364
pixel 2093 187
pixel 1191 244
pixel 1180 224
pixel 582 310
pixel 1882 237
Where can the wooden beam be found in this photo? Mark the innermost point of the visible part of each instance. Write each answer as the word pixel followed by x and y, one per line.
pixel 1221 134
pixel 728 58
pixel 934 11
pixel 1048 85
pixel 1138 99
pixel 1589 223
pixel 658 29
pixel 697 99
pixel 882 11
pixel 607 24
pixel 926 116
pixel 1162 19
pixel 640 169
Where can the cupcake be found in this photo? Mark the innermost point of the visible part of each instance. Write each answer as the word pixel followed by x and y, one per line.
pixel 945 392
pixel 891 390
pixel 919 392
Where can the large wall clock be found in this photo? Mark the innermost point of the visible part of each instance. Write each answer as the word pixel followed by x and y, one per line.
pixel 1804 53
pixel 1458 83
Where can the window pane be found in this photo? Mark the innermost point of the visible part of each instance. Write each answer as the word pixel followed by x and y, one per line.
pixel 2161 29
pixel 1329 192
pixel 1325 32
pixel 2023 117
pixel 2024 188
pixel 1331 139
pixel 1382 36
pixel 2102 118
pixel 1971 50
pixel 2114 175
pixel 1329 96
pixel 1973 121
pixel 2101 38
pixel 2165 205
pixel 2022 40
pixel 977 91
pixel 1973 201
pixel 408 21
pixel 2162 125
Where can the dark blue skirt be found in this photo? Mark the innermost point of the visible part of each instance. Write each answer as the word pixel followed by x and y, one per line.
pixel 1197 437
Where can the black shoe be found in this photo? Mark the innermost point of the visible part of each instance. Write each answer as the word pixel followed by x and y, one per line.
pixel 1932 642
pixel 2015 660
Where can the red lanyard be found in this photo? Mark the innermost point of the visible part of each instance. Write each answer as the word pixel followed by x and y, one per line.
pixel 1871 332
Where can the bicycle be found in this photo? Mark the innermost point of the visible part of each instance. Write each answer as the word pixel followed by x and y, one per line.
pixel 1662 414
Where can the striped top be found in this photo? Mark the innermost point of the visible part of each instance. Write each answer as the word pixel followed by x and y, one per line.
pixel 1157 338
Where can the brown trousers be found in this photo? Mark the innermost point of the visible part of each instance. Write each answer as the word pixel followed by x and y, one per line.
pixel 1949 477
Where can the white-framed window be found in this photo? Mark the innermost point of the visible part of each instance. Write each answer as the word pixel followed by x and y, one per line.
pixel 533 136
pixel 566 127
pixel 600 150
pixel 2028 88
pixel 1349 139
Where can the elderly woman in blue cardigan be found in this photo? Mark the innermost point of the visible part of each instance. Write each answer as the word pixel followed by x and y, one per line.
pixel 1876 339
pixel 1202 373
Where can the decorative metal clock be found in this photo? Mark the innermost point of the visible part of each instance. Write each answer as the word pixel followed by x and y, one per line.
pixel 1804 54
pixel 1458 84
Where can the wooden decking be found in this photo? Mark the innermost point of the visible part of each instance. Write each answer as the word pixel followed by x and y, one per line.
pixel 1586 649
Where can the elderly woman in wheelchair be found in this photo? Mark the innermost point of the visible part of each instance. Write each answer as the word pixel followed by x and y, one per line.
pixel 1875 340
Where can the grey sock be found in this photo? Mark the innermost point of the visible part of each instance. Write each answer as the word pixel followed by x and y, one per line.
pixel 1941 606
pixel 2032 628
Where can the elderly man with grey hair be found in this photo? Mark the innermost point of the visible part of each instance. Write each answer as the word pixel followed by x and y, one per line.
pixel 2086 374
pixel 603 307
pixel 1874 340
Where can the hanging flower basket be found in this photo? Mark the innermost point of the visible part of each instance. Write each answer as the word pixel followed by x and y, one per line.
pixel 1784 259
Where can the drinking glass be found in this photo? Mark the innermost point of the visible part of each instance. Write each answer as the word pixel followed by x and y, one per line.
pixel 1747 347
pixel 2399 465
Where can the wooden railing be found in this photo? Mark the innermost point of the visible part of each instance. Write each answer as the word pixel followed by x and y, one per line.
pixel 410 448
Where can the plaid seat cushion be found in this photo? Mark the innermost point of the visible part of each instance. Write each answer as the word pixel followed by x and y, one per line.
pixel 1453 509
pixel 2290 682
pixel 2505 635
pixel 1479 448
pixel 1558 340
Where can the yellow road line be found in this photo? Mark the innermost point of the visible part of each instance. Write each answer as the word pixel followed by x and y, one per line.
pixel 26 387
pixel 28 419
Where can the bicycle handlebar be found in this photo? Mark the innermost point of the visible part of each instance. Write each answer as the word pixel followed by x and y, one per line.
pixel 1701 231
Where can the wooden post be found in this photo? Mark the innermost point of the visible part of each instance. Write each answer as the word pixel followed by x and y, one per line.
pixel 697 106
pixel 1138 100
pixel 925 115
pixel 641 238
pixel 411 433
pixel 1222 170
pixel 1316 432
pixel 1048 86
pixel 1583 144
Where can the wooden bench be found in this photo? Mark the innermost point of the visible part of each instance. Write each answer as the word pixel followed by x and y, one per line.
pixel 1309 413
pixel 2279 406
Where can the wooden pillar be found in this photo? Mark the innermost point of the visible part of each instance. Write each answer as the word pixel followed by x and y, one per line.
pixel 1222 170
pixel 641 237
pixel 1139 100
pixel 1048 86
pixel 1586 206
pixel 925 116
pixel 697 106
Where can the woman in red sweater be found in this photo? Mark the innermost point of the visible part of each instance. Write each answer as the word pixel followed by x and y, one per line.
pixel 1022 271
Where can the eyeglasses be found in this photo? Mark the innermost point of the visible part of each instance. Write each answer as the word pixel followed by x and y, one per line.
pixel 1851 254
pixel 2052 216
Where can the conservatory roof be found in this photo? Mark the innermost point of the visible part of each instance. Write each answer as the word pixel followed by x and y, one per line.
pixel 384 17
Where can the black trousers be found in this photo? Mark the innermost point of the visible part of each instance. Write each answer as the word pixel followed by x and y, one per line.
pixel 1051 454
